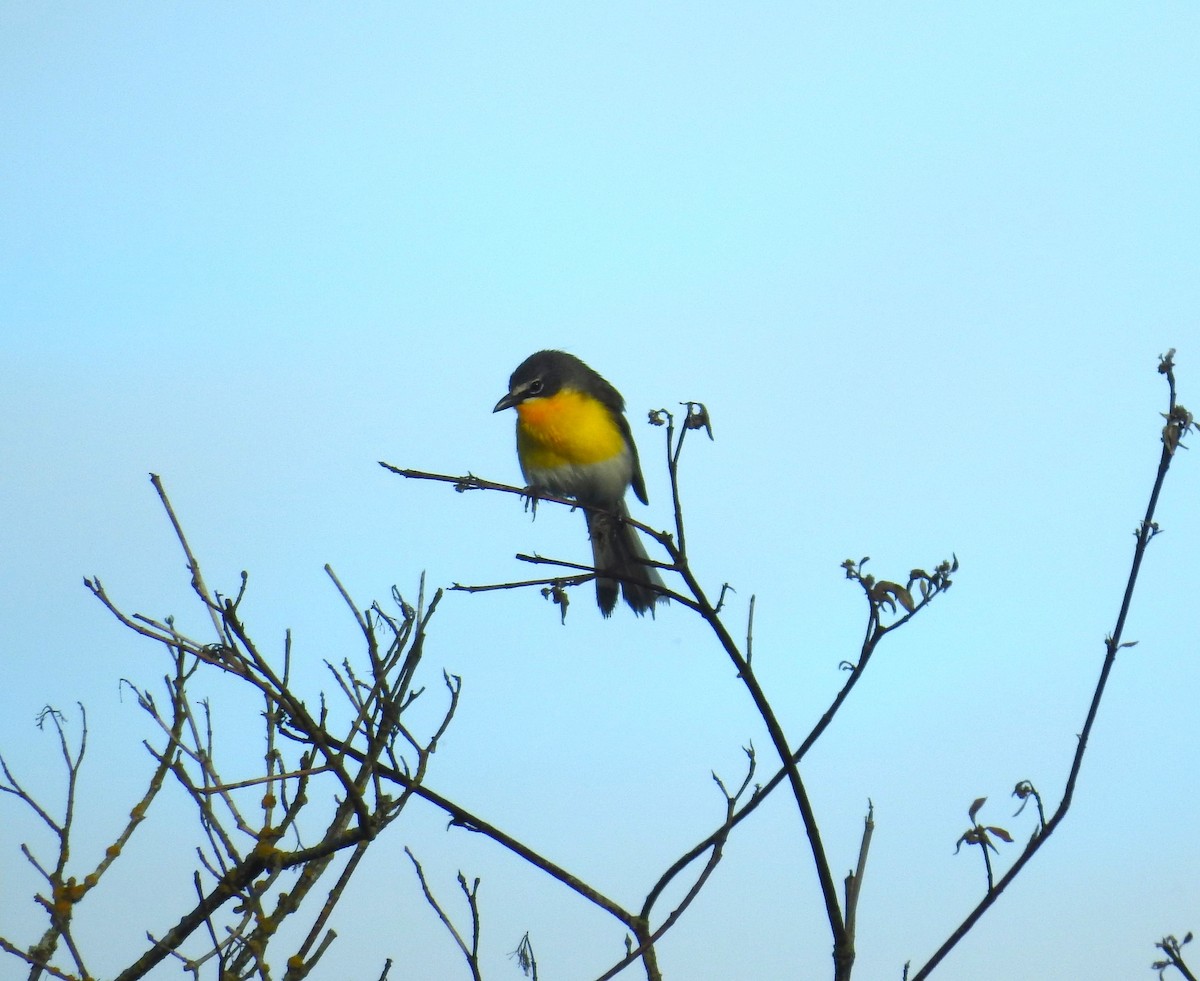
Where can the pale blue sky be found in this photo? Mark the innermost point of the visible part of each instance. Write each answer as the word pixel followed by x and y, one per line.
pixel 919 263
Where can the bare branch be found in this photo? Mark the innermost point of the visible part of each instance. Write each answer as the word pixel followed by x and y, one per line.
pixel 1179 424
pixel 471 953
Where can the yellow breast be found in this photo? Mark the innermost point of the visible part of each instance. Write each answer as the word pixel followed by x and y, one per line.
pixel 568 428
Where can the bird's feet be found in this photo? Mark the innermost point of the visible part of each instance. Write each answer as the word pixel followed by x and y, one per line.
pixel 531 495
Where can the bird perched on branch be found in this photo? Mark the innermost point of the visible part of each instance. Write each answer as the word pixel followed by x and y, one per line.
pixel 573 440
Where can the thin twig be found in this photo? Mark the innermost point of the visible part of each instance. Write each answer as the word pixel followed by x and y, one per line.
pixel 854 880
pixel 471 953
pixel 1179 423
pixel 193 565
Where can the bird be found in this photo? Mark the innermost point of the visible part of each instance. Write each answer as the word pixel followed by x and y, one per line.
pixel 573 440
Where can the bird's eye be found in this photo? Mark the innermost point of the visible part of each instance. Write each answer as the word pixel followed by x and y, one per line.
pixel 535 387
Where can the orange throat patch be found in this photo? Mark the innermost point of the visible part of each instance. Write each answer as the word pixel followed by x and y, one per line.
pixel 569 428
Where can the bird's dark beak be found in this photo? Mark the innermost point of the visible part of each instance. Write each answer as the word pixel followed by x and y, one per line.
pixel 507 402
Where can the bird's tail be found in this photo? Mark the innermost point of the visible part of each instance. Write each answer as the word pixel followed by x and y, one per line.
pixel 621 563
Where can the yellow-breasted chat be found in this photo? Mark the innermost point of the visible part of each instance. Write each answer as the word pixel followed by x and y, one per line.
pixel 573 440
